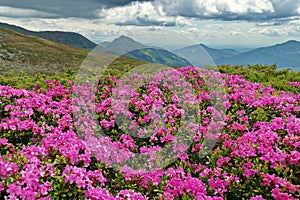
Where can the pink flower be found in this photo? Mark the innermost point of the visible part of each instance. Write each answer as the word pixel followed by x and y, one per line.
pixel 294 157
pixel 227 104
pixel 183 156
pixel 222 160
pixel 278 195
pixel 14 190
pixel 1 187
pixel 98 194
pixel 7 168
pixel 128 141
pixel 129 195
pixel 197 147
pixel 248 171
pixel 168 138
pixel 219 186
pixel 257 198
pixel 81 177
pixel 175 98
pixel 107 124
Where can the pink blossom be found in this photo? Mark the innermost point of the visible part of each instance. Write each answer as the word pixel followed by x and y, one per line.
pixel 257 198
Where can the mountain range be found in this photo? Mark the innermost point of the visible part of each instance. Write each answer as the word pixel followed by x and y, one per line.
pixel 201 55
pixel 130 48
pixel 285 55
pixel 196 55
pixel 68 38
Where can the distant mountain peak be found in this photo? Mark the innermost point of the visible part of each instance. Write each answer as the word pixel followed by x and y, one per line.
pixel 292 41
pixel 123 37
pixel 201 54
pixel 287 44
pixel 203 45
pixel 124 44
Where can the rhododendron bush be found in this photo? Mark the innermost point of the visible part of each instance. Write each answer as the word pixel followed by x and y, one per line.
pixel 45 155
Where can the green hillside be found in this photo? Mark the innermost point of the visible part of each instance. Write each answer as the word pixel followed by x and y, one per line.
pixel 159 56
pixel 32 54
pixel 67 38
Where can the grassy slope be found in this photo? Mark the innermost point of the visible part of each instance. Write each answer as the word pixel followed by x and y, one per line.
pixel 33 54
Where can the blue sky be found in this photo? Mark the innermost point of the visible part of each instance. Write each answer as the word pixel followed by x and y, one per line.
pixel 218 23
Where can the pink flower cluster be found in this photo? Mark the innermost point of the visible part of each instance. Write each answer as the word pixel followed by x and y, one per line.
pixel 294 84
pixel 50 148
pixel 83 178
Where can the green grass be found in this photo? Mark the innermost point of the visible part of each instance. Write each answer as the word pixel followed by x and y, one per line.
pixel 33 54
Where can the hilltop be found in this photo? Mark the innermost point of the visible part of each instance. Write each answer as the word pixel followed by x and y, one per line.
pixel 68 38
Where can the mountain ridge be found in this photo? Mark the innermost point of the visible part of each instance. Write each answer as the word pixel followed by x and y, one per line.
pixel 128 47
pixel 284 55
pixel 68 38
pixel 201 55
pixel 124 44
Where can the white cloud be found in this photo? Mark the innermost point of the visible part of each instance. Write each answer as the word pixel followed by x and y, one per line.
pixel 179 12
pixel 193 30
pixel 156 12
pixel 140 14
pixel 284 31
pixel 234 33
pixel 230 9
pixel 271 32
pixel 215 8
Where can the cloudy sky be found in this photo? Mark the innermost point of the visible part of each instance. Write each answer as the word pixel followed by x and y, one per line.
pixel 218 23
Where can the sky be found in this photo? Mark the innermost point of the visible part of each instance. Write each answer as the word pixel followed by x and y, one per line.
pixel 168 23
